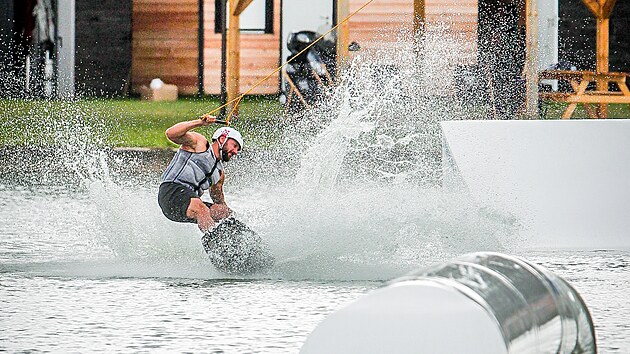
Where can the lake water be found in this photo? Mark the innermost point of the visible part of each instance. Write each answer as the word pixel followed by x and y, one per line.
pixel 88 263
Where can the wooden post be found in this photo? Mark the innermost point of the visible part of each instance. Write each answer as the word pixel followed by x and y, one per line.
pixel 531 59
pixel 419 16
pixel 419 19
pixel 343 33
pixel 602 45
pixel 602 10
pixel 223 14
pixel 200 49
pixel 601 65
pixel 233 57
pixel 240 6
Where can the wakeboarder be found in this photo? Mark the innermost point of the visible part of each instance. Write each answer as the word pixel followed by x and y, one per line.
pixel 198 165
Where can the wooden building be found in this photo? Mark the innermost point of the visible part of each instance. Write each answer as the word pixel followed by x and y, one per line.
pixel 123 44
pixel 165 37
pixel 166 46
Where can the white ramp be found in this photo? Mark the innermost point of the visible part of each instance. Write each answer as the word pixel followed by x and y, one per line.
pixel 568 182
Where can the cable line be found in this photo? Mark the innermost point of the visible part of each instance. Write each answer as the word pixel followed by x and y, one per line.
pixel 240 97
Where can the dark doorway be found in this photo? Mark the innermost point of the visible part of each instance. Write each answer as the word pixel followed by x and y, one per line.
pixel 19 56
pixel 103 47
pixel 6 47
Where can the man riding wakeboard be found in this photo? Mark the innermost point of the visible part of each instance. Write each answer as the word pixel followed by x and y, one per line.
pixel 197 166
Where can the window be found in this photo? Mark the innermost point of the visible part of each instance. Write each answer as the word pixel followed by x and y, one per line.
pixel 257 17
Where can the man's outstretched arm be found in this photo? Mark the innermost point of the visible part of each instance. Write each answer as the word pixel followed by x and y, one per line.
pixel 181 134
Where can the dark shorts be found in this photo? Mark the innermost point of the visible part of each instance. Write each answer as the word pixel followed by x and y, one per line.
pixel 174 199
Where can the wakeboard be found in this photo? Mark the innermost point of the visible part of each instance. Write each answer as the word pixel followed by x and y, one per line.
pixel 234 248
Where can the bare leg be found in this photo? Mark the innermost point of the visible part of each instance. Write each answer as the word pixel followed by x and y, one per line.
pixel 199 211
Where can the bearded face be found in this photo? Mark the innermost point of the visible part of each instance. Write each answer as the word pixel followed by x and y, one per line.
pixel 229 150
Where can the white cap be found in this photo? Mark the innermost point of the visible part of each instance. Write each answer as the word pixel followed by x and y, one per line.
pixel 229 133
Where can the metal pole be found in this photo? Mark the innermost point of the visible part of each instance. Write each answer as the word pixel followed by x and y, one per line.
pixel 55 51
pixel 65 45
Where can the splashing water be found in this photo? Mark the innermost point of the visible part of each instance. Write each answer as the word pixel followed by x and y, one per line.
pixel 366 199
pixel 352 192
pixel 321 162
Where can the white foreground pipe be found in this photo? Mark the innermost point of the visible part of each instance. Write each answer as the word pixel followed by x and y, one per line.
pixel 479 303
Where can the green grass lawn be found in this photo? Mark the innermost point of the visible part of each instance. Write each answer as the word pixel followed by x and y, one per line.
pixel 136 123
pixel 554 110
pixel 126 122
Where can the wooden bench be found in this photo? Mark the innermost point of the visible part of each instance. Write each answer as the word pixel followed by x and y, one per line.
pixel 579 81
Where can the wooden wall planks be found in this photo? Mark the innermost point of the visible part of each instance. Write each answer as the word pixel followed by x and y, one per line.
pixel 259 55
pixel 386 21
pixel 165 39
pixel 164 43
